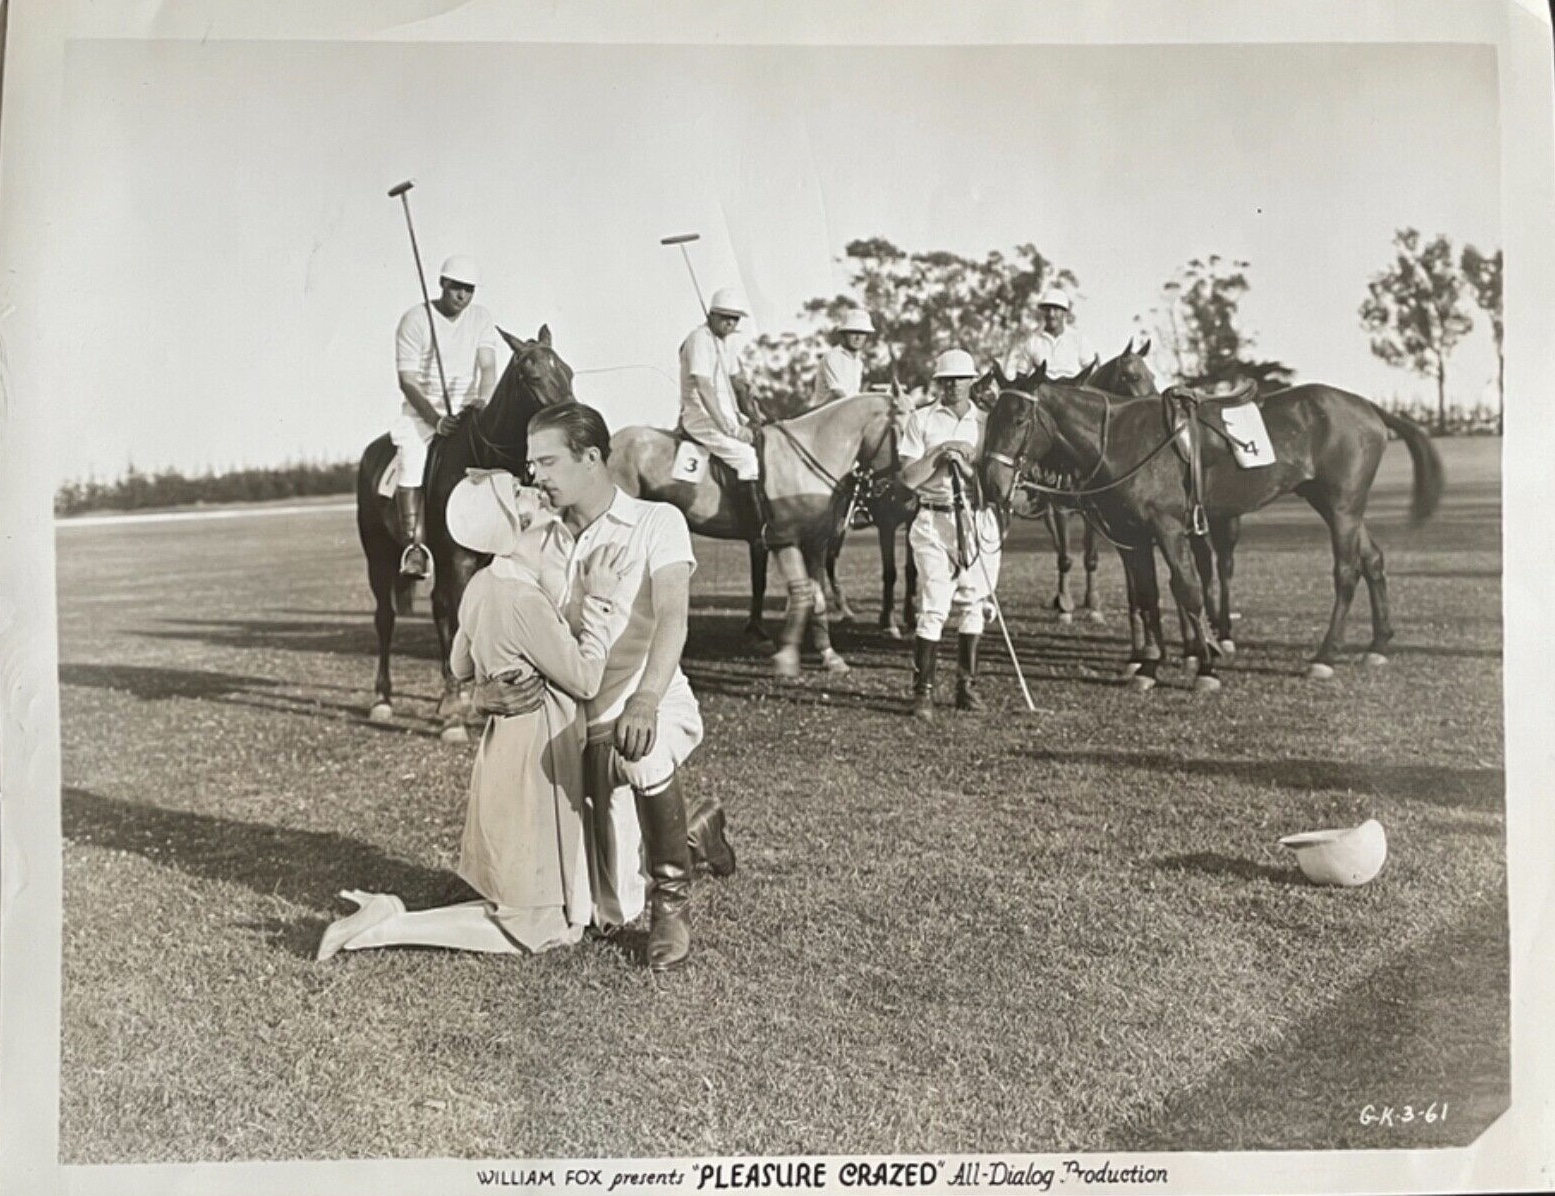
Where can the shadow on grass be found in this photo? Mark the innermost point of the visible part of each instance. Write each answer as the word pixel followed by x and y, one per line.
pixel 413 637
pixel 1428 1026
pixel 304 867
pixel 1465 788
pixel 1214 864
pixel 154 684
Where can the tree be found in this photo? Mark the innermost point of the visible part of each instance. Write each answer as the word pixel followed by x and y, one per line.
pixel 1483 274
pixel 1197 323
pixel 921 303
pixel 1415 311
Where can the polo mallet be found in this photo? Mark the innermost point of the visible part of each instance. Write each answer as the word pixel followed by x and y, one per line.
pixel 960 505
pixel 399 192
pixel 683 239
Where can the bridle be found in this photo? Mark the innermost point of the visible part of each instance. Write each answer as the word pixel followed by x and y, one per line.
pixel 485 451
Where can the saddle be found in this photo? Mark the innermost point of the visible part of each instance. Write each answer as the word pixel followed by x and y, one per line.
pixel 1188 413
pixel 695 462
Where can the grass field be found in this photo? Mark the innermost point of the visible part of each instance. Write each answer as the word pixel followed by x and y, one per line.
pixel 1069 930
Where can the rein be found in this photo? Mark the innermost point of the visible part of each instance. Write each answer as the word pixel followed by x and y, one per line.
pixel 1082 491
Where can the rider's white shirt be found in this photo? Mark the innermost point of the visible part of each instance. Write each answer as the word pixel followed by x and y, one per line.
pixel 1065 355
pixel 929 427
pixel 703 355
pixel 458 340
pixel 841 374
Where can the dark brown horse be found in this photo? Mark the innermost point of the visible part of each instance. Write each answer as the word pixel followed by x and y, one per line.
pixel 1129 374
pixel 494 437
pixel 1328 444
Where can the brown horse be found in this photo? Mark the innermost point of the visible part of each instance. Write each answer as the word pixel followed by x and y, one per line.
pixel 1328 444
pixel 493 437
pixel 1129 374
pixel 806 464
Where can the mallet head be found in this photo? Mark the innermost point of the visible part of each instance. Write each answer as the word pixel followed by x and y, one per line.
pixel 396 191
pixel 681 239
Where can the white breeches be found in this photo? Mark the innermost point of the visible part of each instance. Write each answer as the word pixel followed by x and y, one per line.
pixel 411 435
pixel 738 455
pixel 941 591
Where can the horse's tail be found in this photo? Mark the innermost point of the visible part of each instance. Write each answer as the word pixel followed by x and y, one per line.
pixel 1429 478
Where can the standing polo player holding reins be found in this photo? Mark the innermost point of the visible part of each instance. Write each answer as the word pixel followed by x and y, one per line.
pixel 945 539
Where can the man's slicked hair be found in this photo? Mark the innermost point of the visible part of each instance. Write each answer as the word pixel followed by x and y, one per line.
pixel 580 425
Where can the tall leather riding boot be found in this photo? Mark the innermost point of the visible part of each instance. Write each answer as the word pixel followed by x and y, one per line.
pixel 705 832
pixel 925 654
pixel 754 510
pixel 662 819
pixel 967 697
pixel 414 562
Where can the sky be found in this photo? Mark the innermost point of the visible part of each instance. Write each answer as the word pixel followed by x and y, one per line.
pixel 227 268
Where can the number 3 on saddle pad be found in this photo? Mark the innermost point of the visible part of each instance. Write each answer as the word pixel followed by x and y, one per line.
pixel 690 462
pixel 1250 445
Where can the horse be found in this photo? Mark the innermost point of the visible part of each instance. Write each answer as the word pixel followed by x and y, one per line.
pixel 889 507
pixel 1129 374
pixel 806 463
pixel 886 505
pixel 491 437
pixel 1328 444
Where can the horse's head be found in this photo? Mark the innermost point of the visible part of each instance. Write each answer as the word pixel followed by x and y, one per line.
pixel 1126 374
pixel 538 369
pixel 1016 434
pixel 986 388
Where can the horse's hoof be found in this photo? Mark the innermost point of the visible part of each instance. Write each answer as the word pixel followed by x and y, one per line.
pixel 454 733
pixel 1065 618
pixel 833 661
pixel 1206 685
pixel 894 633
pixel 1318 671
pixel 757 632
pixel 785 662
pixel 381 712
pixel 1141 684
pixel 1375 659
pixel 1228 647
pixel 1191 663
pixel 1096 616
pixel 1130 669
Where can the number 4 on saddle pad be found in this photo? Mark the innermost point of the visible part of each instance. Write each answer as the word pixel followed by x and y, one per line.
pixel 1250 443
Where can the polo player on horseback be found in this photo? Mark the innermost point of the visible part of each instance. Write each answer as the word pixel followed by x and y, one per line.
pixel 716 408
pixel 1058 344
pixel 841 371
pixel 954 539
pixel 466 341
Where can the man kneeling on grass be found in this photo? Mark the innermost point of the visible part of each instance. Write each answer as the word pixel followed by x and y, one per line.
pixel 644 722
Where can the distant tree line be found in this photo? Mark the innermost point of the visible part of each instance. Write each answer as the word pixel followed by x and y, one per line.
pixel 137 491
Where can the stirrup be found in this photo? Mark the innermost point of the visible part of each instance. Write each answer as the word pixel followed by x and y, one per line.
pixel 422 557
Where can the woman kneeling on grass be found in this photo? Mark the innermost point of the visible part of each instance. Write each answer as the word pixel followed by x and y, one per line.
pixel 524 848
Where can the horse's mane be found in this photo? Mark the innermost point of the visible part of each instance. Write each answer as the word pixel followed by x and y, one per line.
pixel 816 414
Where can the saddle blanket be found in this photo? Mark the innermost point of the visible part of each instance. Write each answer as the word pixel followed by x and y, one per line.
pixel 1250 443
pixel 690 462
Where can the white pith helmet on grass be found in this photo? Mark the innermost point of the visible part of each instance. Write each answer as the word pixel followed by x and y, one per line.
pixel 954 363
pixel 1347 857
pixel 461 269
pixel 727 302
